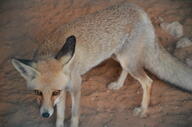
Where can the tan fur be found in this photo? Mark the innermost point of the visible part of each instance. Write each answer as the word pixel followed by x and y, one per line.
pixel 49 69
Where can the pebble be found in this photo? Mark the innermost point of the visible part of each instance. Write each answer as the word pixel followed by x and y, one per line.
pixel 174 28
pixel 189 62
pixel 184 42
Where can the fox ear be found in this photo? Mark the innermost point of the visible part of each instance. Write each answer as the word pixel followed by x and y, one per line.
pixel 25 68
pixel 67 51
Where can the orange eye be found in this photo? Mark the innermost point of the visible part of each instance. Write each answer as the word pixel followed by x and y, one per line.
pixel 37 92
pixel 56 93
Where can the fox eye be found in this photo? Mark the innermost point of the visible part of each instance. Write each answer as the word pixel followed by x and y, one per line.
pixel 37 92
pixel 56 93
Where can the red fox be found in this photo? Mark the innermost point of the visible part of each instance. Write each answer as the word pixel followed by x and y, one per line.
pixel 123 31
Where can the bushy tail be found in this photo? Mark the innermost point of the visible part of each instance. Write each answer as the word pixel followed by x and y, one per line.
pixel 168 68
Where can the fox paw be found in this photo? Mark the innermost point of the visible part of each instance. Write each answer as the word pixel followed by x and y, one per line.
pixel 59 124
pixel 114 86
pixel 139 111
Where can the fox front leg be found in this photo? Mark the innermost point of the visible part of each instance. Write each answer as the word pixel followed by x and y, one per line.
pixel 75 109
pixel 61 111
pixel 75 96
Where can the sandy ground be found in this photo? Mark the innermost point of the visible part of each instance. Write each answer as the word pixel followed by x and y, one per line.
pixel 24 25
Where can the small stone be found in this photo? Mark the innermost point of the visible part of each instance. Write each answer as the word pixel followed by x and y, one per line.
pixel 183 42
pixel 174 28
pixel 160 19
pixel 188 61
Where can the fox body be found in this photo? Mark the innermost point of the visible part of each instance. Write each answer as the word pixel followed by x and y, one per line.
pixel 123 31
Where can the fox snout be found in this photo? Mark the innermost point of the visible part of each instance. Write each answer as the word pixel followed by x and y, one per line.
pixel 46 113
pixel 47 100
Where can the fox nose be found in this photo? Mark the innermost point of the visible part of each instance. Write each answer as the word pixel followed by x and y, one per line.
pixel 45 114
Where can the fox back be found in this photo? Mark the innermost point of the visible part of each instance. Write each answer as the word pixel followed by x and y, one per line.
pixel 101 34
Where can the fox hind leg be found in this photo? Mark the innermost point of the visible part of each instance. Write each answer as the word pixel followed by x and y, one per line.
pixel 135 69
pixel 146 83
pixel 137 72
pixel 119 83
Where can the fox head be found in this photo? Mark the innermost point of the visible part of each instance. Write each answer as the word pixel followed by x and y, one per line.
pixel 48 78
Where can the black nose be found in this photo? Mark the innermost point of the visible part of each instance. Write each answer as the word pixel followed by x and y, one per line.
pixel 45 114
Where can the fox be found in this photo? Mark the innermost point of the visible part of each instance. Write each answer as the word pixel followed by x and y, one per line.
pixel 123 32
